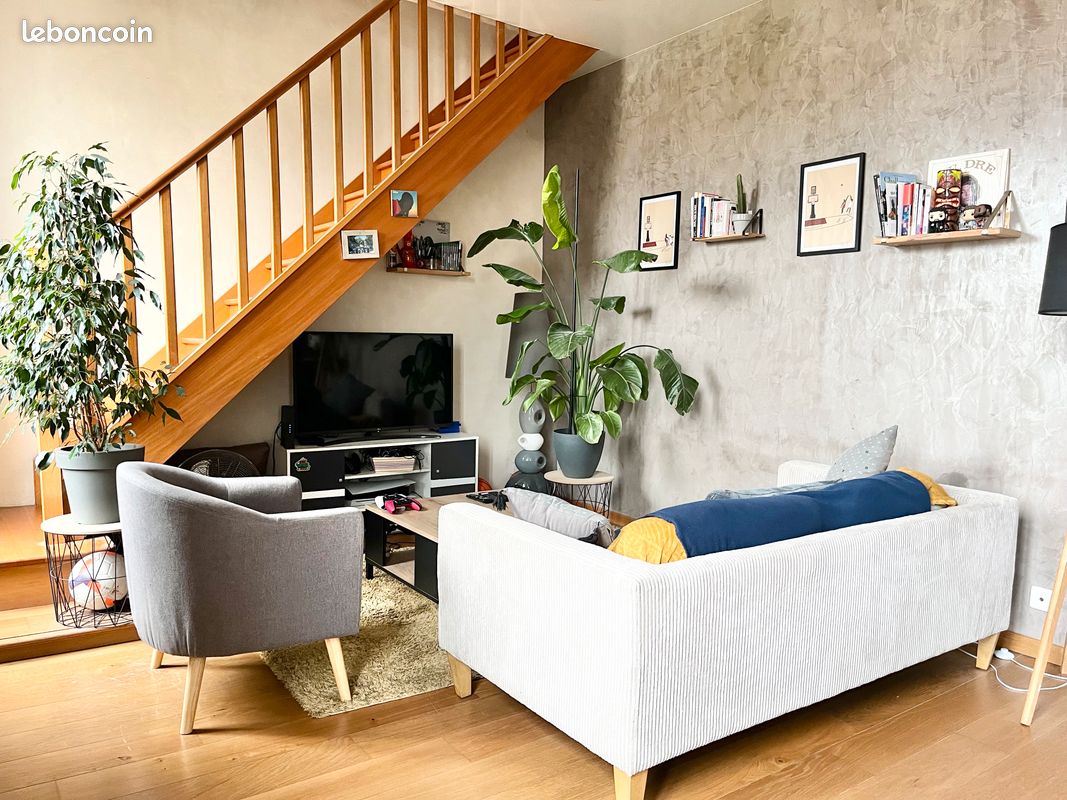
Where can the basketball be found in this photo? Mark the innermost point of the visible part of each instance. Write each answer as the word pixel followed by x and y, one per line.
pixel 98 581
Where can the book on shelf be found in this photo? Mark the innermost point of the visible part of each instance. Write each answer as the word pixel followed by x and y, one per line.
pixel 887 199
pixel 712 215
pixel 393 463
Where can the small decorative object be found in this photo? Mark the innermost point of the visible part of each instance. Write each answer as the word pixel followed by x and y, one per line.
pixel 974 217
pixel 404 203
pixel 98 581
pixel 359 244
pixel 742 216
pixel 533 441
pixel 942 220
pixel 529 460
pixel 658 230
pixel 983 177
pixel 830 205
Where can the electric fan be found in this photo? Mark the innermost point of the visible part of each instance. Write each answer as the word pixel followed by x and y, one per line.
pixel 220 464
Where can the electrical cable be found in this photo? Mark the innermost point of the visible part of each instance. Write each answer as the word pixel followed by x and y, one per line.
pixel 1014 660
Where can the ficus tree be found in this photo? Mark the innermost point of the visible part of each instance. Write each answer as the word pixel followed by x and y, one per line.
pixel 576 375
pixel 64 322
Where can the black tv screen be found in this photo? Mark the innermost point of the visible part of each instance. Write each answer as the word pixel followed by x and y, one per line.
pixel 364 382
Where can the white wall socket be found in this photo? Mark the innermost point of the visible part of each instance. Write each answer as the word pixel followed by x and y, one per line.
pixel 1039 597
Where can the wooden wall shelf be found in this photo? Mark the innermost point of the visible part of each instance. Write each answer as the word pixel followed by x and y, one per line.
pixel 732 237
pixel 444 273
pixel 948 238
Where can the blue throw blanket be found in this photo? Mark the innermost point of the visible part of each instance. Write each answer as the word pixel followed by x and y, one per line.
pixel 712 526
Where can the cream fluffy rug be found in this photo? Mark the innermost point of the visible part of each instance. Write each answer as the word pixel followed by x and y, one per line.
pixel 394 655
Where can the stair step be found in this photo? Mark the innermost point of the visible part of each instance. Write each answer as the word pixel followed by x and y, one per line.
pixel 192 341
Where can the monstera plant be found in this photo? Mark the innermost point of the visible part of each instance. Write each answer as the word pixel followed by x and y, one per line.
pixel 575 374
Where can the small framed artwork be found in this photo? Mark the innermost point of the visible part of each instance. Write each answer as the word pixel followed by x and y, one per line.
pixel 359 244
pixel 657 230
pixel 830 208
pixel 404 203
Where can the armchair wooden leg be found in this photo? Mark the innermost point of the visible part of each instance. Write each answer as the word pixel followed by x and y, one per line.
pixel 157 659
pixel 1052 616
pixel 630 787
pixel 193 679
pixel 461 676
pixel 340 674
pixel 985 651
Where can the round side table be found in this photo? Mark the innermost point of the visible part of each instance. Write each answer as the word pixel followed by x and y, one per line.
pixel 593 492
pixel 86 573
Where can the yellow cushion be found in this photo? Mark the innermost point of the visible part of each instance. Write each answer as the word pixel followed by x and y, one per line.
pixel 939 498
pixel 649 539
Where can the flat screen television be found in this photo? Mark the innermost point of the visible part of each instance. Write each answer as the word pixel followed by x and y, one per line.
pixel 353 384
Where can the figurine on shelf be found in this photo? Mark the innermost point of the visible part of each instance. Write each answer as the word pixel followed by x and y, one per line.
pixel 974 217
pixel 407 252
pixel 944 216
pixel 942 220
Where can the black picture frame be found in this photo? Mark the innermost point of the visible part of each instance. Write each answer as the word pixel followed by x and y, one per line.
pixel 805 205
pixel 655 265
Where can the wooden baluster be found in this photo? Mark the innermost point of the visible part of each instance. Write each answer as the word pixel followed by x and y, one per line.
pixel 500 43
pixel 275 192
pixel 424 85
pixel 238 141
pixel 131 302
pixel 450 62
pixel 368 114
pixel 338 139
pixel 476 55
pixel 309 182
pixel 394 51
pixel 170 312
pixel 524 40
pixel 207 283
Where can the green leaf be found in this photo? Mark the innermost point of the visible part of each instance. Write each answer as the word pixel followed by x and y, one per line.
pixel 627 261
pixel 515 230
pixel 516 277
pixel 614 303
pixel 517 385
pixel 540 387
pixel 557 404
pixel 562 341
pixel 520 313
pixel 622 378
pixel 612 423
pixel 555 210
pixel 608 355
pixel 679 388
pixel 642 367
pixel 589 426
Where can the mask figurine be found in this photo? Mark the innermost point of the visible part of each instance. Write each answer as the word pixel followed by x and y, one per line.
pixel 942 220
pixel 949 186
pixel 973 217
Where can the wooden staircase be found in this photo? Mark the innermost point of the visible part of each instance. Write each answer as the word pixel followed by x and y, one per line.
pixel 236 335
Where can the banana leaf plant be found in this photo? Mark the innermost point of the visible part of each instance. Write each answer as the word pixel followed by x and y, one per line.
pixel 577 376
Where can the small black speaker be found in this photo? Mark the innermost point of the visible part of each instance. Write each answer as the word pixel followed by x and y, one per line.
pixel 287 432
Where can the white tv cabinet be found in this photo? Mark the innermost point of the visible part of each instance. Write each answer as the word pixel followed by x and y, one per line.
pixel 329 476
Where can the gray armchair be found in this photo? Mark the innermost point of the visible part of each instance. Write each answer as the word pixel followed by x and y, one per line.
pixel 219 566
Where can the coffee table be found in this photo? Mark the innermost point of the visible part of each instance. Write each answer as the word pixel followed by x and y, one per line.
pixel 417 567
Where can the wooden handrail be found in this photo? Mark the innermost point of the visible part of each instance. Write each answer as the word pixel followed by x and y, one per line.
pixel 256 108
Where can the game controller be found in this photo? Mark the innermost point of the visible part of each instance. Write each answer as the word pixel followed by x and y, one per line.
pixel 397 503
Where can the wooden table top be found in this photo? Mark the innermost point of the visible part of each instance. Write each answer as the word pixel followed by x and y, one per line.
pixel 424 523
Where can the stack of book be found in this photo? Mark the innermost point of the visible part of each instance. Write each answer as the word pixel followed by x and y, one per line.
pixel 903 203
pixel 712 215
pixel 393 463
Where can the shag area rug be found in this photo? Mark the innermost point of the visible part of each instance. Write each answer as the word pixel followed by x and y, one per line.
pixel 394 655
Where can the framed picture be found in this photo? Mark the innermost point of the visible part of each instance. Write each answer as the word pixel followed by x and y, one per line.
pixel 657 230
pixel 404 203
pixel 830 209
pixel 984 177
pixel 359 244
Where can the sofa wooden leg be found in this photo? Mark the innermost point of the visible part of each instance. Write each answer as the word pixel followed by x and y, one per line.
pixel 630 787
pixel 340 674
pixel 985 651
pixel 157 659
pixel 461 676
pixel 193 678
pixel 1052 616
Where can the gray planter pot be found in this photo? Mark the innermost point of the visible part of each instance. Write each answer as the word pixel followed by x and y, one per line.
pixel 89 479
pixel 575 456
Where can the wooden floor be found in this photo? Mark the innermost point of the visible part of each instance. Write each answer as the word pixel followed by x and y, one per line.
pixel 99 724
pixel 21 539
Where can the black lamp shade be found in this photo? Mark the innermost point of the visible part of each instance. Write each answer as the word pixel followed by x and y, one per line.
pixel 1054 288
pixel 535 326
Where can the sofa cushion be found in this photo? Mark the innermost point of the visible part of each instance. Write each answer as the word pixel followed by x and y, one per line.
pixel 558 515
pixel 767 491
pixel 868 457
pixel 939 498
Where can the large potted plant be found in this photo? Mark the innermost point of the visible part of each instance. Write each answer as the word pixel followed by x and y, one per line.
pixel 577 376
pixel 65 326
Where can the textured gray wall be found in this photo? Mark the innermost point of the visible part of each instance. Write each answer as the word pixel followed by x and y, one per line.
pixel 800 357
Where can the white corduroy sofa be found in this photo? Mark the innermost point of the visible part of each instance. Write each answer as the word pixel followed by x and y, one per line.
pixel 640 663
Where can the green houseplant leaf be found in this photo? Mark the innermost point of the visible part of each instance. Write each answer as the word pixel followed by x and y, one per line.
pixel 515 230
pixel 562 341
pixel 520 313
pixel 516 277
pixel 679 388
pixel 590 426
pixel 614 303
pixel 555 211
pixel 612 423
pixel 627 261
pixel 623 379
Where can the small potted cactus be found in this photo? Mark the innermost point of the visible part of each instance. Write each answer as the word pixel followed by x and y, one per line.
pixel 742 216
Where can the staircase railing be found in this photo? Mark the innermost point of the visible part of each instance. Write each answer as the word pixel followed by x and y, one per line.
pixel 178 344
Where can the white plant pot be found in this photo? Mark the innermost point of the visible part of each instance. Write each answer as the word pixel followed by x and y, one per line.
pixel 740 221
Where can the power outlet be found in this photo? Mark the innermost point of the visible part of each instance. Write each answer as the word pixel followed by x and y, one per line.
pixel 1039 597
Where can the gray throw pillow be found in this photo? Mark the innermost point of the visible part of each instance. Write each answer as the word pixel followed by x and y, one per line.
pixel 560 516
pixel 868 457
pixel 770 491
